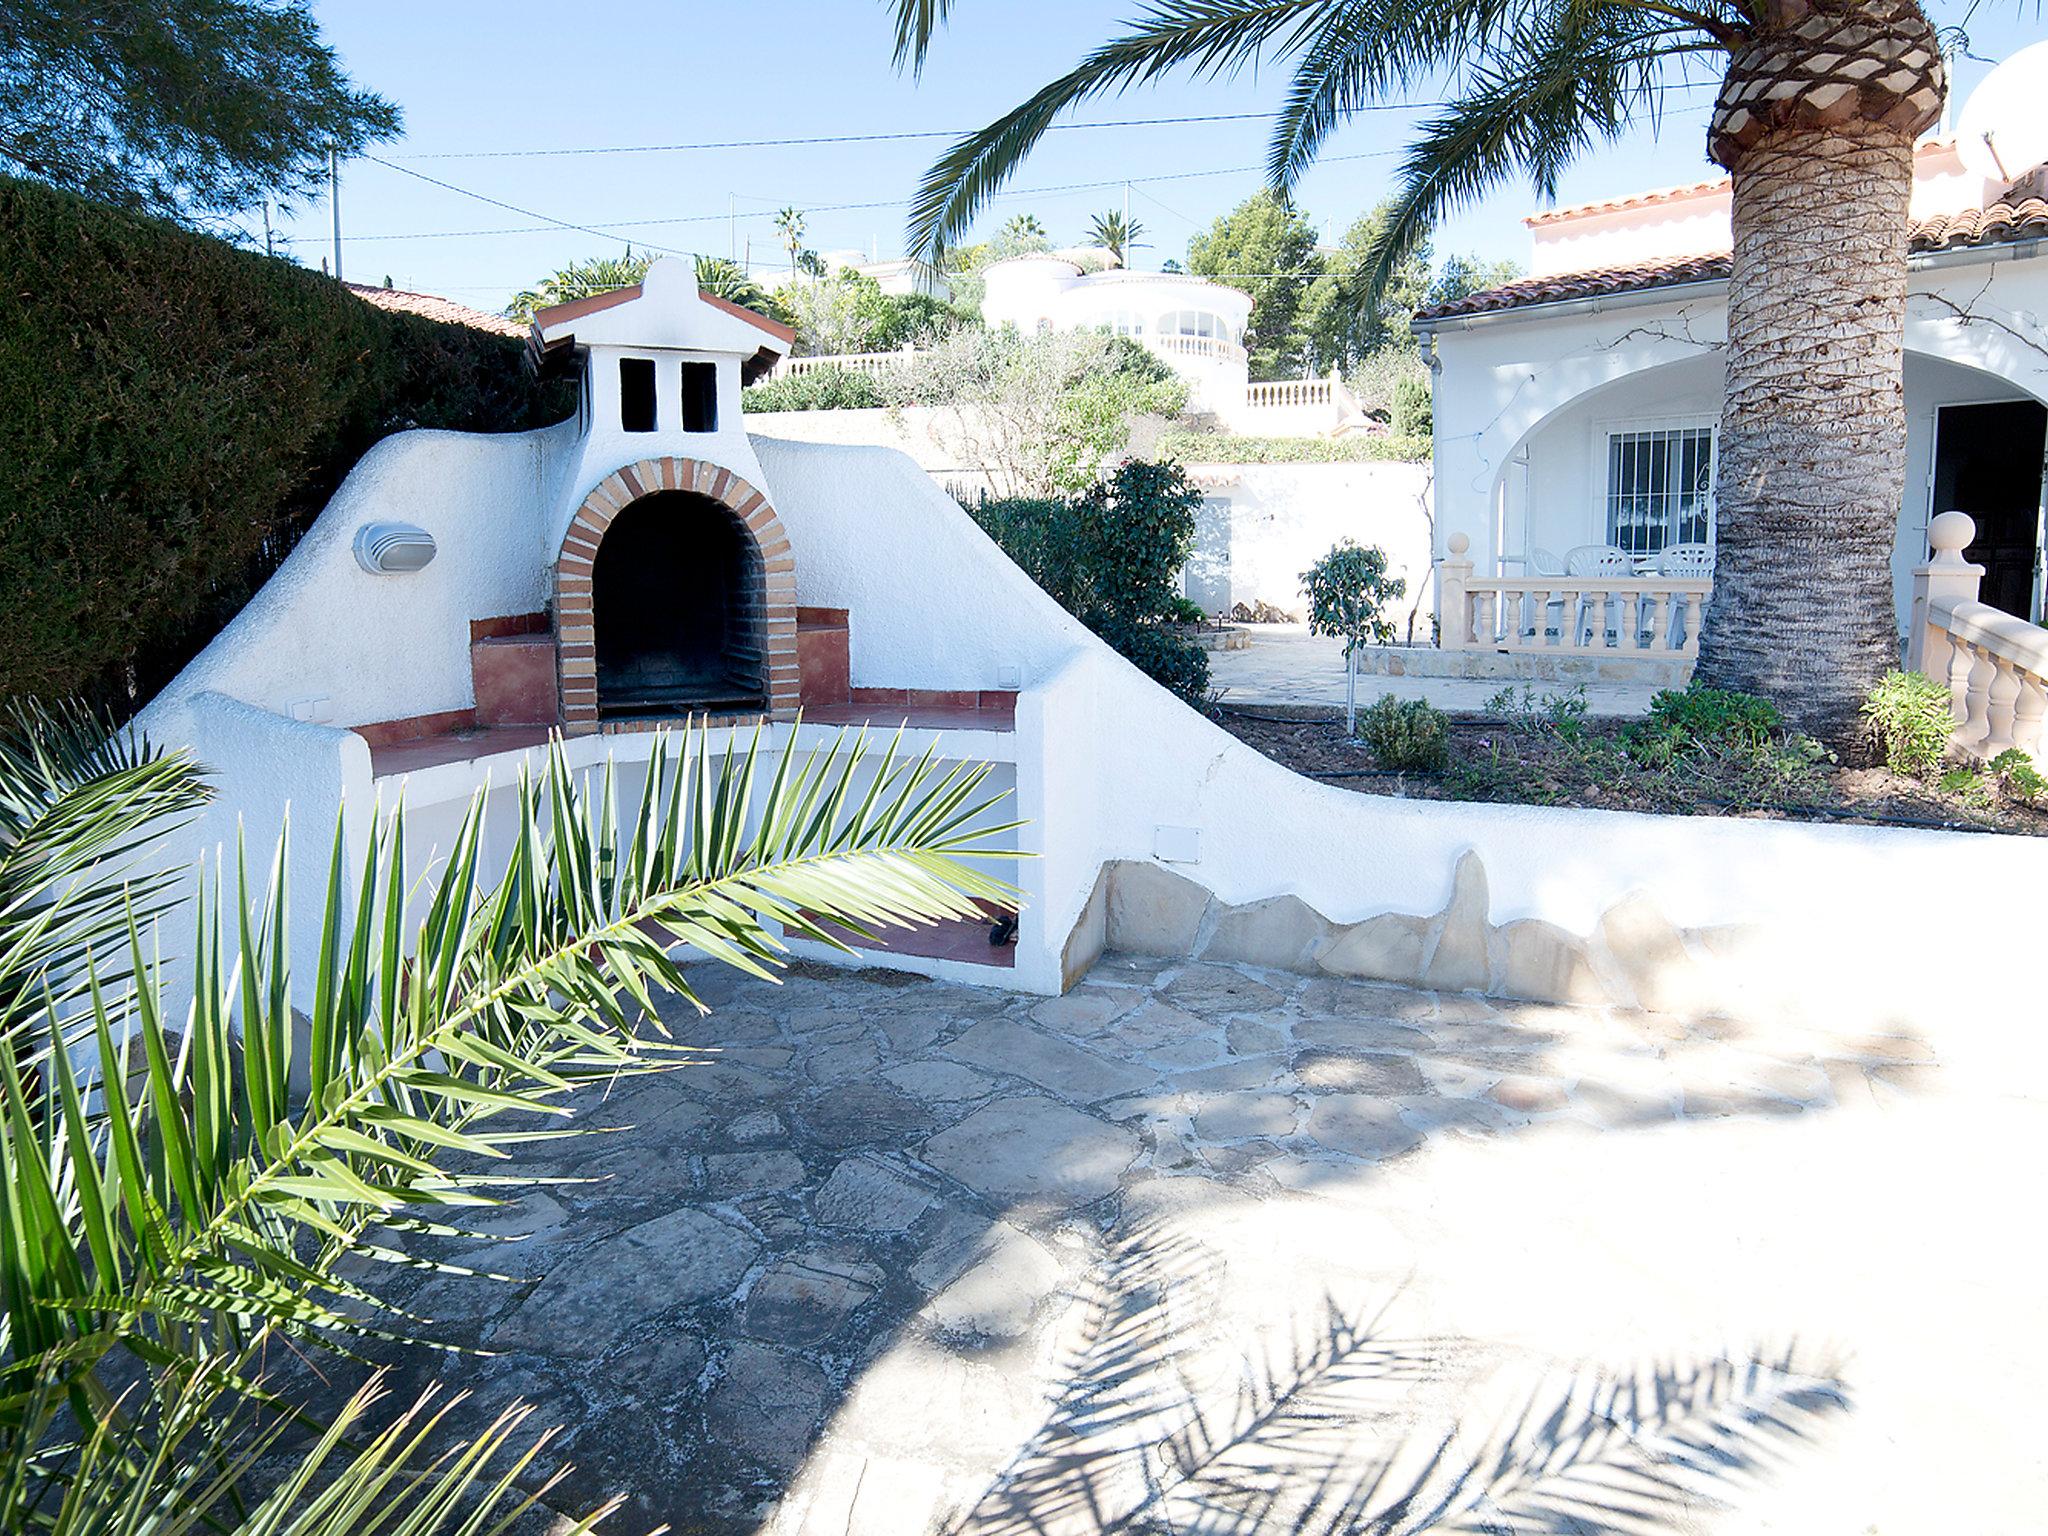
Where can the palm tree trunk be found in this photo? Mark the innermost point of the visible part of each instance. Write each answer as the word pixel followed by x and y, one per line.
pixel 1813 424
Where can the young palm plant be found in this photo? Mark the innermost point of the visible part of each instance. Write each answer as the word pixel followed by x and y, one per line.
pixel 1819 104
pixel 1115 234
pixel 176 1200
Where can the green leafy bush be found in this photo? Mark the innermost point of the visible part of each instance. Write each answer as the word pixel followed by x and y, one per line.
pixel 1112 558
pixel 1413 416
pixel 1227 448
pixel 174 413
pixel 1695 718
pixel 1910 719
pixel 820 389
pixel 1407 734
pixel 1976 789
pixel 2018 776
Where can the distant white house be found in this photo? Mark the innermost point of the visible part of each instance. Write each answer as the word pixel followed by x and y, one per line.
pixel 1260 525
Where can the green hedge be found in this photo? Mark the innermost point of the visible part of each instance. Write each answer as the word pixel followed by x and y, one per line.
pixel 1228 448
pixel 174 412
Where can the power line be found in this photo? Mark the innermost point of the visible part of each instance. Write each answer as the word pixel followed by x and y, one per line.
pixel 550 222
pixel 812 140
pixel 872 138
pixel 706 218
pixel 548 219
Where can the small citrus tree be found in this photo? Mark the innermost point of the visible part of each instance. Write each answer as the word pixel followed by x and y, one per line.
pixel 1348 592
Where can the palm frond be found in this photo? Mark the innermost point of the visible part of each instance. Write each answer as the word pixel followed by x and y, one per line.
pixel 1210 38
pixel 1551 90
pixel 188 1471
pixel 1363 50
pixel 181 1212
pixel 78 800
pixel 917 23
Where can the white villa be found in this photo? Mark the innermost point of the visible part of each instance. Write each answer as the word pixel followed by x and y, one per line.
pixel 1576 414
pixel 1194 324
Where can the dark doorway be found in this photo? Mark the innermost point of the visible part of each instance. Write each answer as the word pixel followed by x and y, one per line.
pixel 1988 463
pixel 676 593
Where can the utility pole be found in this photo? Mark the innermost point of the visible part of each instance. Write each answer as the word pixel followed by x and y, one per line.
pixel 732 247
pixel 334 200
pixel 1123 257
pixel 268 248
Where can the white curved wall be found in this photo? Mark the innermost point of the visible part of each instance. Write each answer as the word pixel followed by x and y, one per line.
pixel 385 647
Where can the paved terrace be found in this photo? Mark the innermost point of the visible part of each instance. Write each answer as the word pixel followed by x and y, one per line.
pixel 1285 664
pixel 1198 1248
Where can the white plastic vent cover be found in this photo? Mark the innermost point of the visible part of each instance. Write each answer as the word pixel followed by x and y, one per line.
pixel 390 549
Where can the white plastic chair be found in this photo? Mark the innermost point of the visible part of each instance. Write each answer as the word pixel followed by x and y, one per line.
pixel 1541 562
pixel 1686 562
pixel 1598 561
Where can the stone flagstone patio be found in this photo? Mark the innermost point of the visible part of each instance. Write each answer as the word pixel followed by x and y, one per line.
pixel 1204 1248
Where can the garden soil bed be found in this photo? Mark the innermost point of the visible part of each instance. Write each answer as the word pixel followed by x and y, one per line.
pixel 1519 760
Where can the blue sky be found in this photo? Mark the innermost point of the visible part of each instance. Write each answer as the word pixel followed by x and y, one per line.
pixel 477 80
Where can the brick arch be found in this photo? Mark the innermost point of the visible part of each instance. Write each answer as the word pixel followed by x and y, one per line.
pixel 575 619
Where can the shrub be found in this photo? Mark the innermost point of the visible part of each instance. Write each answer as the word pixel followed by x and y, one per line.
pixel 1112 558
pixel 2018 776
pixel 175 412
pixel 1413 416
pixel 1720 716
pixel 820 389
pixel 1910 720
pixel 1407 733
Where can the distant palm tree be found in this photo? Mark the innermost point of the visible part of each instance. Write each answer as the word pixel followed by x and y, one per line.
pixel 789 224
pixel 1024 226
pixel 579 280
pixel 1111 232
pixel 1820 102
pixel 728 280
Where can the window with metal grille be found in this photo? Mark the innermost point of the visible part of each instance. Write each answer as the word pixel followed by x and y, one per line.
pixel 1660 486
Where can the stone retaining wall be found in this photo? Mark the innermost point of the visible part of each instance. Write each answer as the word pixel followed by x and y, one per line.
pixel 1634 958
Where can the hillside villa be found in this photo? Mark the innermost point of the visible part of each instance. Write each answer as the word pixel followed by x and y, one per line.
pixel 1575 425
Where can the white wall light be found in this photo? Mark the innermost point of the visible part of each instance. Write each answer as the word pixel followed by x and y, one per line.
pixel 391 549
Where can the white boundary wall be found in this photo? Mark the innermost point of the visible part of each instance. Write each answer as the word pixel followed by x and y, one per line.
pixel 1108 766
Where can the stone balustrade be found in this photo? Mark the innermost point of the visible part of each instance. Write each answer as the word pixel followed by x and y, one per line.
pixel 1213 347
pixel 1995 665
pixel 874 364
pixel 1648 616
pixel 1289 392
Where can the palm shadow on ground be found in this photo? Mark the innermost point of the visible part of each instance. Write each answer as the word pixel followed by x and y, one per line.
pixel 710 1301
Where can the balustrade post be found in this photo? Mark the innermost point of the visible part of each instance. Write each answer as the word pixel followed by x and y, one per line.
pixel 1946 578
pixel 1958 680
pixel 1454 612
pixel 1982 669
pixel 1999 703
pixel 2028 710
pixel 1695 607
pixel 1660 622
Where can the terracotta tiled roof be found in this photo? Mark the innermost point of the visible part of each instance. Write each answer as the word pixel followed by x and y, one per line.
pixel 2001 223
pixel 576 309
pixel 1560 286
pixel 2023 218
pixel 1633 200
pixel 432 307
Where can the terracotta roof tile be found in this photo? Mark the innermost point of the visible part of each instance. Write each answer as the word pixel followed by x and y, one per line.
pixel 2001 223
pixel 432 307
pixel 2023 218
pixel 1633 200
pixel 1561 286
